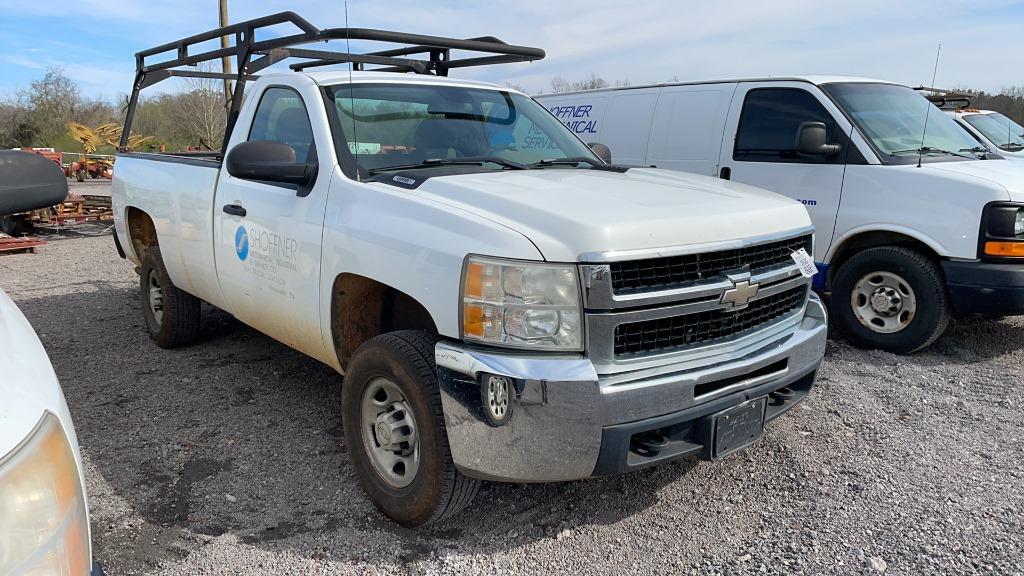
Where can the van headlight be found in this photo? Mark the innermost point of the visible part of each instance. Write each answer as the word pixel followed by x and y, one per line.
pixel 44 527
pixel 1003 230
pixel 521 304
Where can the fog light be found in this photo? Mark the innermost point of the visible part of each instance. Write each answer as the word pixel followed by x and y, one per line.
pixel 496 393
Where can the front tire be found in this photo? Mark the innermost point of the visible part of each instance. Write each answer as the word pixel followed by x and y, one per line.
pixel 395 432
pixel 172 315
pixel 890 298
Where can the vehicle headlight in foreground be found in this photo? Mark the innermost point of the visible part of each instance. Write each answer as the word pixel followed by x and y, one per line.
pixel 43 522
pixel 521 304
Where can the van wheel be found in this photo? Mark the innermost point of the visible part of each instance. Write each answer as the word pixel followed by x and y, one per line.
pixel 890 298
pixel 395 433
pixel 172 315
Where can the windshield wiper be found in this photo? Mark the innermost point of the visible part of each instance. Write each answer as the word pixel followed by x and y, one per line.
pixel 933 150
pixel 570 161
pixel 464 161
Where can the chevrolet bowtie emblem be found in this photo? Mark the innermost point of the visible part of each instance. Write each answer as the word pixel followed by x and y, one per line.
pixel 740 294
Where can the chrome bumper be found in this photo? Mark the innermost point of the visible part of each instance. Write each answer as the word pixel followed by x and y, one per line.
pixel 562 407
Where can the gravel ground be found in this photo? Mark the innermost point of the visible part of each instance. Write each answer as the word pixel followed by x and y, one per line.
pixel 228 457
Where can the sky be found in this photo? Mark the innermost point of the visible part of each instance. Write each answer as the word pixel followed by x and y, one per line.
pixel 644 41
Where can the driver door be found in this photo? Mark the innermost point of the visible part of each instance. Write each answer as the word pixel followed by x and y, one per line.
pixel 269 234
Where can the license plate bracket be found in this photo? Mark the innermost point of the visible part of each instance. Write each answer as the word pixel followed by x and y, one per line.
pixel 737 427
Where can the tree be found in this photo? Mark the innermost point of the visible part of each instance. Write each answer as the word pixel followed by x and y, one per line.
pixel 16 128
pixel 53 101
pixel 559 84
pixel 199 111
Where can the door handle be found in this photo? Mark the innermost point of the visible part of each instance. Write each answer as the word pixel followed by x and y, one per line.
pixel 234 209
pixel 725 173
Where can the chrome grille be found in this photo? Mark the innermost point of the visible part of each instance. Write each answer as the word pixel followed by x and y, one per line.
pixel 666 272
pixel 705 327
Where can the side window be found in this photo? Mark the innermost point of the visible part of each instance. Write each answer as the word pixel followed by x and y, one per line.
pixel 769 122
pixel 282 117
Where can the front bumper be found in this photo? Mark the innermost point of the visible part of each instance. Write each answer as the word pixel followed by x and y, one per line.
pixel 567 422
pixel 985 287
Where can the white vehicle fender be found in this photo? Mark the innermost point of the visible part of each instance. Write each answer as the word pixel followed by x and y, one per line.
pixel 410 243
pixel 839 242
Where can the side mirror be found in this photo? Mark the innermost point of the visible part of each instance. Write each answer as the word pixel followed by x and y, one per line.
pixel 269 162
pixel 812 140
pixel 29 181
pixel 603 152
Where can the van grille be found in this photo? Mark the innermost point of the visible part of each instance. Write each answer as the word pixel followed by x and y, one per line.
pixel 707 326
pixel 658 273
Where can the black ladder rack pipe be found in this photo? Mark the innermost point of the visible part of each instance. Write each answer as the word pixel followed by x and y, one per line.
pixel 435 52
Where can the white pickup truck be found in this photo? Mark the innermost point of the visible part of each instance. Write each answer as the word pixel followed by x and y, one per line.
pixel 503 304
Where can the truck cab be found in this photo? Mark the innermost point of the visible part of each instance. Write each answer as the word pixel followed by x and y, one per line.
pixel 915 220
pixel 503 304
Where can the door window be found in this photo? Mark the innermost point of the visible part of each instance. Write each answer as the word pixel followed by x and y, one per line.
pixel 282 117
pixel 769 123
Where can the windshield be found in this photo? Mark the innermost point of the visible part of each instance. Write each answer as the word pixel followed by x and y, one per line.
pixel 397 126
pixel 893 118
pixel 1000 130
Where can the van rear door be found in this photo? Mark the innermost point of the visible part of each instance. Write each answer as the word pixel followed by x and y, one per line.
pixel 760 149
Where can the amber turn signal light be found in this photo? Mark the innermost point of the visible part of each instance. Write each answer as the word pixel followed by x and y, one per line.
pixel 1005 249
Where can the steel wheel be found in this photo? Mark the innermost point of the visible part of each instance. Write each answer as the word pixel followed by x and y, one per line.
pixel 883 302
pixel 156 296
pixel 389 432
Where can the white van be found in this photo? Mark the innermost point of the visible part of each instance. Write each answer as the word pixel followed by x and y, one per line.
pixel 995 131
pixel 910 230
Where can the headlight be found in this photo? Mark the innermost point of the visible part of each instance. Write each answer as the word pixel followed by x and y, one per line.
pixel 521 304
pixel 1003 230
pixel 44 528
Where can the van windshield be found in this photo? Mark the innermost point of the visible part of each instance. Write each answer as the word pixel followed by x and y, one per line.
pixel 400 126
pixel 1000 130
pixel 893 118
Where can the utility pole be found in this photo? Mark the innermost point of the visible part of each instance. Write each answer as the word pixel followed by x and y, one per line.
pixel 225 61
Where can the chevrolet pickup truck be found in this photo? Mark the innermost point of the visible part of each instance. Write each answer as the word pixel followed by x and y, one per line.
pixel 504 305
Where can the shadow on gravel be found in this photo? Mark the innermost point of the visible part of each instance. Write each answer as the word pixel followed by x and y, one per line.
pixel 241 434
pixel 974 340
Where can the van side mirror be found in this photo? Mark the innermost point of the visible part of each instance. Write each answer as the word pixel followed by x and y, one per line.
pixel 29 181
pixel 603 152
pixel 812 140
pixel 269 162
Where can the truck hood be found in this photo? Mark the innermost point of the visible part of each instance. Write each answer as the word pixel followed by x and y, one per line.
pixel 570 212
pixel 1008 174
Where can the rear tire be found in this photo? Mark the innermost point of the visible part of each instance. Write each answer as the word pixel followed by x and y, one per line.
pixel 392 379
pixel 890 298
pixel 172 315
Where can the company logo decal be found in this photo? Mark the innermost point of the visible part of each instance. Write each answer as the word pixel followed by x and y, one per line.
pixel 740 294
pixel 241 243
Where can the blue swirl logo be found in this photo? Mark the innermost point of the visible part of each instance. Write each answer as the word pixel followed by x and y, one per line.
pixel 241 243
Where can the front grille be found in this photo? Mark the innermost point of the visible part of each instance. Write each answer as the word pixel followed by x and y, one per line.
pixel 705 327
pixel 660 273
